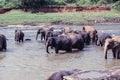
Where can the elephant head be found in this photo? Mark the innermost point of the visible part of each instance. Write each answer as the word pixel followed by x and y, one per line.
pixel 50 42
pixel 92 32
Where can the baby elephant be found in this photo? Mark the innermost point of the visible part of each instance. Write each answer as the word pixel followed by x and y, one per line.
pixel 3 43
pixel 19 36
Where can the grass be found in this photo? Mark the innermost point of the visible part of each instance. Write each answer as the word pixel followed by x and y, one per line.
pixel 20 17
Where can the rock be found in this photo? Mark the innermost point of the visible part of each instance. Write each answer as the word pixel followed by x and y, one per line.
pixel 110 74
pixel 59 75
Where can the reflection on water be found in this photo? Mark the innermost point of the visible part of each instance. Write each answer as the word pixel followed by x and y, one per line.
pixel 29 61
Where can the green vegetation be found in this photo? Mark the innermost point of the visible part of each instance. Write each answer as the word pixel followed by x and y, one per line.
pixel 20 17
pixel 37 4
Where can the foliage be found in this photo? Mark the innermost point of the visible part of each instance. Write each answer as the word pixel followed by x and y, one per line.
pixel 36 4
pixel 83 3
pixel 116 6
pixel 10 3
pixel 101 2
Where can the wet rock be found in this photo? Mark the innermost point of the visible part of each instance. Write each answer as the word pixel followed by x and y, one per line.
pixel 111 74
pixel 60 74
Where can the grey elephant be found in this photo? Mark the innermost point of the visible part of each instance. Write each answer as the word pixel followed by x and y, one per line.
pixel 59 43
pixel 3 42
pixel 86 37
pixel 102 38
pixel 54 33
pixel 92 32
pixel 43 32
pixel 114 45
pixel 19 36
pixel 77 40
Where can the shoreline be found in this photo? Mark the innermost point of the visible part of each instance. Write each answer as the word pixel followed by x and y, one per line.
pixel 50 24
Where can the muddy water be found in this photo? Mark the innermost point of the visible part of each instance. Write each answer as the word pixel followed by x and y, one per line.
pixel 29 61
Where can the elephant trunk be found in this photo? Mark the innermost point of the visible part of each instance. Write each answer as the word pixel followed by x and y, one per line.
pixel 47 46
pixel 105 51
pixel 36 36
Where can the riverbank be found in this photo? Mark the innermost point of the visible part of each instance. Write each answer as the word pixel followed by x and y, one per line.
pixel 16 17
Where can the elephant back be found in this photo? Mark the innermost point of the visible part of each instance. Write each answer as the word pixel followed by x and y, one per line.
pixel 66 29
pixel 116 38
pixel 89 28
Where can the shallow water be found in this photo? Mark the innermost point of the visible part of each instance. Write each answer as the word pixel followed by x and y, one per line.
pixel 29 61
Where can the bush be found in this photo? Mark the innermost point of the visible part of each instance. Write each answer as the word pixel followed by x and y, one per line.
pixel 10 4
pixel 116 6
pixel 102 2
pixel 83 3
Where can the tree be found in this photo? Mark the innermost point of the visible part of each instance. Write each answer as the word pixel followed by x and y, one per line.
pixel 33 4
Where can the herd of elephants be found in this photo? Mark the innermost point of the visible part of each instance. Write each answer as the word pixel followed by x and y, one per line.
pixel 68 39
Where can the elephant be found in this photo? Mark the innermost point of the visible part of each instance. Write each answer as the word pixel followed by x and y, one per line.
pixel 66 29
pixel 53 33
pixel 86 37
pixel 114 45
pixel 19 36
pixel 60 74
pixel 116 51
pixel 92 32
pixel 77 40
pixel 59 43
pixel 43 32
pixel 3 42
pixel 102 38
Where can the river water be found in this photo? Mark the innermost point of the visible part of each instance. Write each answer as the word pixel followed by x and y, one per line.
pixel 29 61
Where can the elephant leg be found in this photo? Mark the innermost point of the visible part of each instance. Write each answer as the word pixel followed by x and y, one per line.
pixel 69 50
pixel 22 39
pixel 41 37
pixel 101 44
pixel 105 55
pixel 4 45
pixel 19 40
pixel 114 53
pixel 44 37
pixel 118 54
pixel 93 39
pixel 56 50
